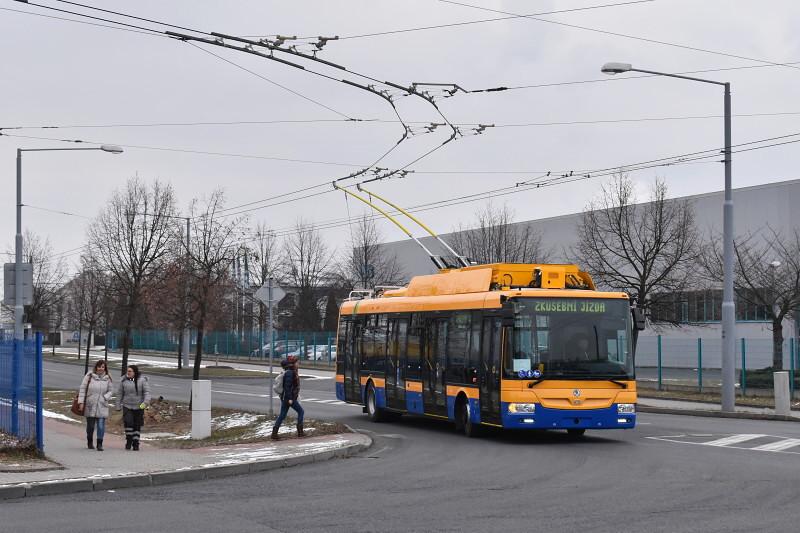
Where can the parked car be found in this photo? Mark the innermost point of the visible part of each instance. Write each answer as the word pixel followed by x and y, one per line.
pixel 282 348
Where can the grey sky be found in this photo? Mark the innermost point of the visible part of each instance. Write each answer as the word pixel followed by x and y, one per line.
pixel 62 73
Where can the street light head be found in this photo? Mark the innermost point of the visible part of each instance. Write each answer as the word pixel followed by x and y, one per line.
pixel 112 148
pixel 616 68
pixel 775 264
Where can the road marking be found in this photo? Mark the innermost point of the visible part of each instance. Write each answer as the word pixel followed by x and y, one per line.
pixel 734 439
pixel 778 446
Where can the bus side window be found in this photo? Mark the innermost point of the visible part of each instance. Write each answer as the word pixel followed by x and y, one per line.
pixel 474 355
pixel 341 345
pixel 457 343
pixel 378 362
pixel 414 348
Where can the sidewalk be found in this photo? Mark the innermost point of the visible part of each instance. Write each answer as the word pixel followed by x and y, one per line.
pixel 660 405
pixel 88 470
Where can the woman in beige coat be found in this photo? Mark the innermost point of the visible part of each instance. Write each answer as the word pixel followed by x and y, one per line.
pixel 94 395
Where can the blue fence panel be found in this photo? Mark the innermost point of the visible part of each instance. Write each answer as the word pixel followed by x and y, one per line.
pixel 21 389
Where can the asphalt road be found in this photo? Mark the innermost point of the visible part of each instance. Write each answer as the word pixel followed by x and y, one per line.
pixel 670 474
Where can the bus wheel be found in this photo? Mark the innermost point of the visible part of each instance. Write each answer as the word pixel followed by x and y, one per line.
pixel 576 432
pixel 373 411
pixel 464 419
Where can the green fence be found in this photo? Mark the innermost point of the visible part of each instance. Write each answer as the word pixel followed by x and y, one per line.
pixel 307 345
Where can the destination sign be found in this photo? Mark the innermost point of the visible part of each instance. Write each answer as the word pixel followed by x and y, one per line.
pixel 569 306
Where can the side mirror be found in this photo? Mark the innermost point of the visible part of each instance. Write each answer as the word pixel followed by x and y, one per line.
pixel 638 319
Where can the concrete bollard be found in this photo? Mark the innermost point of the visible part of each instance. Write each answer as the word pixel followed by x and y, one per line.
pixel 201 409
pixel 782 400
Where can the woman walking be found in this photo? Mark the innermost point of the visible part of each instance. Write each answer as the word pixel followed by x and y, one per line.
pixel 93 397
pixel 134 397
pixel 289 397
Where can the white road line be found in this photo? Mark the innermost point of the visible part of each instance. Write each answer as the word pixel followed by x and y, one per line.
pixel 778 446
pixel 734 439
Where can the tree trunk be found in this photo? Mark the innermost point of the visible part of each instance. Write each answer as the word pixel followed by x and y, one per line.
pixel 180 349
pixel 88 343
pixel 198 355
pixel 80 338
pixel 126 335
pixel 777 344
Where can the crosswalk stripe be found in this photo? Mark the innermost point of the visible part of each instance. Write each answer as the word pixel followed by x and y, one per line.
pixel 778 446
pixel 734 439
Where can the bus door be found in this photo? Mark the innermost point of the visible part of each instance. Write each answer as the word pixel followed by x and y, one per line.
pixel 395 364
pixel 490 365
pixel 434 392
pixel 352 362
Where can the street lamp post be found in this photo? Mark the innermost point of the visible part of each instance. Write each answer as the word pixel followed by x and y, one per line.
pixel 19 334
pixel 728 305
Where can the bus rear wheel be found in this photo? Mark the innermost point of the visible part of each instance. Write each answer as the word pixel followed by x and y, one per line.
pixel 576 432
pixel 373 411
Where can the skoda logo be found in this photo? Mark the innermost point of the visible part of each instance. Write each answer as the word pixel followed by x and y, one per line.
pixel 576 393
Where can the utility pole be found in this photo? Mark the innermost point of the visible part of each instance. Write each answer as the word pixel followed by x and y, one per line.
pixel 186 329
pixel 271 345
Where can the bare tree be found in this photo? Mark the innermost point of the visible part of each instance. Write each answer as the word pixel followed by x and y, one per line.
pixel 90 287
pixel 366 263
pixel 647 250
pixel 264 255
pixel 767 274
pixel 211 252
pixel 131 238
pixel 49 274
pixel 307 265
pixel 495 238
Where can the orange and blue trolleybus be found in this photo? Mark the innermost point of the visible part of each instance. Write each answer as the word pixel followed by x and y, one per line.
pixel 517 346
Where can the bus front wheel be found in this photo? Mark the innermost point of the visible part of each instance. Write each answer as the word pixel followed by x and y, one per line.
pixel 464 421
pixel 373 411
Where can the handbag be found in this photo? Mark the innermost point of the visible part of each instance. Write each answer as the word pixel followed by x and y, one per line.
pixel 76 407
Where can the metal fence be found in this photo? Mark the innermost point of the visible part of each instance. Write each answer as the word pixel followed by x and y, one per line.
pixel 21 389
pixel 307 345
pixel 697 362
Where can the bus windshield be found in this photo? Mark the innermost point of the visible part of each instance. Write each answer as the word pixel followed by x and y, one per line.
pixel 570 338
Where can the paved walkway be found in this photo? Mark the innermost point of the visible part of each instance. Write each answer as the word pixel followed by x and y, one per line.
pixel 694 407
pixel 65 443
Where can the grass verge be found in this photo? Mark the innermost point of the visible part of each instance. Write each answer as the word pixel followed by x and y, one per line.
pixel 168 424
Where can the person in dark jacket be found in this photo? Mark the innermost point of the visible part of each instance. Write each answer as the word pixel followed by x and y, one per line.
pixel 289 398
pixel 134 397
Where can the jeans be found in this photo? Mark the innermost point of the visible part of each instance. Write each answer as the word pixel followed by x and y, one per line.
pixel 285 410
pixel 91 421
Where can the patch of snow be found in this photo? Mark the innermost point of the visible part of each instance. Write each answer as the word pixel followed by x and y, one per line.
pixel 58 416
pixel 270 451
pixel 234 421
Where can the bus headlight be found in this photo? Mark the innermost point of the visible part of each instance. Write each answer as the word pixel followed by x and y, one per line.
pixel 626 408
pixel 522 408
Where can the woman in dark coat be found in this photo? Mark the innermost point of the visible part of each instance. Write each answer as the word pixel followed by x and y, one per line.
pixel 289 397
pixel 134 397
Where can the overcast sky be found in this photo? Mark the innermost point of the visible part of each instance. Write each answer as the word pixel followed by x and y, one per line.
pixel 64 73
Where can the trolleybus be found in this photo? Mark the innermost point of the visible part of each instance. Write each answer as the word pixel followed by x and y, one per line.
pixel 519 346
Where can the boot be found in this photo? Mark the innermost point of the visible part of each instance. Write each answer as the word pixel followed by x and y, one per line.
pixel 99 445
pixel 89 442
pixel 136 445
pixel 275 433
pixel 128 442
pixel 300 430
